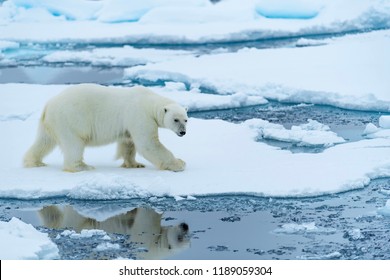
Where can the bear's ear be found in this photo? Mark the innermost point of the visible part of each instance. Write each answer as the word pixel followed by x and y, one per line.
pixel 186 108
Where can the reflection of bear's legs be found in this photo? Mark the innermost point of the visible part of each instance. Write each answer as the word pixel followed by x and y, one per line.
pixel 52 216
pixel 73 148
pixel 42 146
pixel 126 150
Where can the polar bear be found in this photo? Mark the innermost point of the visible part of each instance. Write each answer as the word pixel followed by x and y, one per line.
pixel 93 115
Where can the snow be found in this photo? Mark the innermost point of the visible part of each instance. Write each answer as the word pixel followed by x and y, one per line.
pixel 350 72
pixel 85 233
pixel 312 133
pixel 5 45
pixel 107 247
pixel 384 122
pixel 222 158
pixel 65 10
pixel 297 9
pixel 195 100
pixel 19 240
pixel 304 228
pixel 383 131
pixel 121 56
pixel 195 21
pixel 385 211
pixel 355 234
pixel 303 42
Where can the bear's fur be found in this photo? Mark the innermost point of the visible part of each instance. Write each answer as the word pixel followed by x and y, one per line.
pixel 93 115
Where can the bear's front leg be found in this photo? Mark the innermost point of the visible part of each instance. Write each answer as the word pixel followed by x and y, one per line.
pixel 163 159
pixel 176 165
pixel 156 153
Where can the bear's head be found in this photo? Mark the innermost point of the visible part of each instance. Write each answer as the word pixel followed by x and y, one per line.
pixel 175 119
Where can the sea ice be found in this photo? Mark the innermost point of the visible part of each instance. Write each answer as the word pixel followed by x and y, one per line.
pixel 385 211
pixel 312 133
pixel 384 122
pixel 106 246
pixel 178 22
pixel 115 56
pixel 383 131
pixel 19 240
pixel 343 73
pixel 304 228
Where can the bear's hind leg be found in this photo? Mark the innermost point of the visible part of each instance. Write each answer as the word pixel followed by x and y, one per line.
pixel 127 151
pixel 73 151
pixel 42 146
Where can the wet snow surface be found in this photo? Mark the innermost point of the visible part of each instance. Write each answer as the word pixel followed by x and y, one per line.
pixel 300 86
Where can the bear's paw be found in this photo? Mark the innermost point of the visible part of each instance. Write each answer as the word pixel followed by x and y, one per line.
pixel 132 165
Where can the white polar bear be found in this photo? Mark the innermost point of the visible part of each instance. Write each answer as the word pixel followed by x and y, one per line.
pixel 92 115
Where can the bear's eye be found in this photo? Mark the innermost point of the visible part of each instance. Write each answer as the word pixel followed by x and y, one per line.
pixel 185 120
pixel 176 120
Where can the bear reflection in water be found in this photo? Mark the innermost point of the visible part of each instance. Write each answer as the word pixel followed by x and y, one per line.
pixel 142 225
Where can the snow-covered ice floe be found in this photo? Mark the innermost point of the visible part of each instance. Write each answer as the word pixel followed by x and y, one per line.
pixel 350 72
pixel 304 228
pixel 383 131
pixel 19 240
pixel 385 211
pixel 85 233
pixel 222 158
pixel 176 21
pixel 6 45
pixel 310 134
pixel 195 100
pixel 114 56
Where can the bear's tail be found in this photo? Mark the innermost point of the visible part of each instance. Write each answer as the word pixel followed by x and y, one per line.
pixel 43 145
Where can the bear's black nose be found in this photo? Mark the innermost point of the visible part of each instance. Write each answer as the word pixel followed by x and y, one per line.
pixel 182 133
pixel 184 227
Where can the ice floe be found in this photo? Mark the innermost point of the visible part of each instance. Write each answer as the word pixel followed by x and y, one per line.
pixel 351 72
pixel 385 210
pixel 312 133
pixel 19 240
pixel 304 228
pixel 383 131
pixel 222 158
pixel 175 21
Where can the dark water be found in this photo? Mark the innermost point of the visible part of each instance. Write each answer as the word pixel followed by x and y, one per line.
pixel 340 226
pixel 46 75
